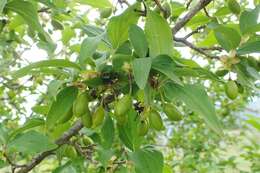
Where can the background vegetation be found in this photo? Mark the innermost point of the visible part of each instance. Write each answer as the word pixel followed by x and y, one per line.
pixel 129 86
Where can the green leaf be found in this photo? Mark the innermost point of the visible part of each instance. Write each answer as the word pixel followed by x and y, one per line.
pixel 68 167
pixel 4 134
pixel 196 99
pixel 61 106
pixel 45 63
pixel 53 87
pixel 128 133
pixel 249 21
pixel 118 60
pixel 31 142
pixel 41 109
pixel 93 31
pixel 250 47
pixel 165 65
pixel 88 48
pixel 67 34
pixel 117 28
pixel 2 5
pixel 141 70
pixel 227 37
pixel 30 15
pixel 138 40
pixel 96 4
pixel 108 132
pixel 158 34
pixel 147 160
pixel 104 155
pixel 31 123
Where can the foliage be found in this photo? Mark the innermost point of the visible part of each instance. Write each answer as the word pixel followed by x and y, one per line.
pixel 147 86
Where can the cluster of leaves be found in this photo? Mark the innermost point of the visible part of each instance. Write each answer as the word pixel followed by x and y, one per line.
pixel 113 86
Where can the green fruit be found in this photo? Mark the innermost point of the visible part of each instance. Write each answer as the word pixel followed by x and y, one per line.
pixel 234 6
pixel 67 117
pixel 87 119
pixel 70 152
pixel 172 112
pixel 80 105
pixel 87 140
pixel 121 120
pixel 143 127
pixel 123 105
pixel 105 12
pixel 231 89
pixel 155 120
pixel 98 116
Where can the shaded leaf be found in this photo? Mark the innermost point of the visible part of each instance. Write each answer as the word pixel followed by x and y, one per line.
pixel 249 21
pixel 2 5
pixel 28 11
pixel 141 69
pixel 30 142
pixel 61 106
pixel 196 98
pixel 88 48
pixel 128 133
pixel 227 37
pixel 165 65
pixel 108 132
pixel 147 160
pixel 54 87
pixel 250 47
pixel 138 40
pixel 31 123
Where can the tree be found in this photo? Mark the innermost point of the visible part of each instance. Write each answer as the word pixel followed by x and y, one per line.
pixel 113 85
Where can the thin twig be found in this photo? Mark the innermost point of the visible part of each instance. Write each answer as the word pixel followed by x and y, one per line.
pixel 197 30
pixel 124 2
pixel 62 140
pixel 159 5
pixel 206 12
pixel 190 45
pixel 181 22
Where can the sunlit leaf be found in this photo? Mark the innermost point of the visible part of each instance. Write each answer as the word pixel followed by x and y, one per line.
pixel 117 28
pixel 159 35
pixel 45 63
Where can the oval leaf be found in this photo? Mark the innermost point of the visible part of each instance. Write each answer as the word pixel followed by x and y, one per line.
pixel 61 106
pixel 138 40
pixel 196 98
pixel 45 63
pixel 227 37
pixel 141 69
pixel 147 160
pixel 158 34
pixel 117 28
pixel 247 48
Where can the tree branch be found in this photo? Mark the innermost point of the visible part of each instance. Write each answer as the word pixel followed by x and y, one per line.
pixel 157 2
pixel 181 22
pixel 62 140
pixel 197 30
pixel 200 50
